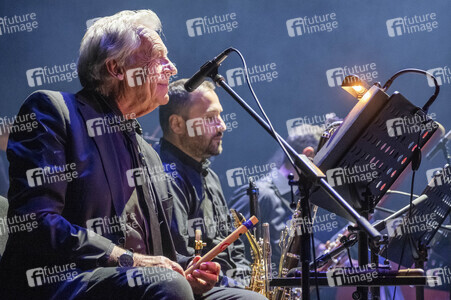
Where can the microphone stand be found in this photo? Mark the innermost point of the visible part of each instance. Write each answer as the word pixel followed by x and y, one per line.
pixel 446 153
pixel 442 146
pixel 312 175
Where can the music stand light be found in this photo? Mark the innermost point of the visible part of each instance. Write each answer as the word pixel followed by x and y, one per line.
pixel 354 86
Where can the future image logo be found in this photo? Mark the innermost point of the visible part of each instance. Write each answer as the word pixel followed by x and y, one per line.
pixel 352 174
pixel 51 174
pixel 49 75
pixel 135 177
pixel 18 123
pixel 342 276
pixel 394 227
pixel 136 277
pixel 209 25
pixel 257 73
pixel 136 76
pixel 366 72
pixel 409 25
pixel 438 176
pixel 240 176
pixel 308 125
pixel 18 23
pixel 441 74
pixel 194 224
pixel 310 25
pixel 51 274
pixel 438 276
pixel 410 124
pixel 111 124
pixel 398 227
pixel 201 126
pixel 112 225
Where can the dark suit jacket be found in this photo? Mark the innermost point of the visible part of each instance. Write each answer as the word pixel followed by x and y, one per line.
pixel 62 208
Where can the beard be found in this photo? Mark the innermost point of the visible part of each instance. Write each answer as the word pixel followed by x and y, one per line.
pixel 203 146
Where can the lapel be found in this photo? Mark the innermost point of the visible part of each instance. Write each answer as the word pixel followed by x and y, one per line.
pixel 90 109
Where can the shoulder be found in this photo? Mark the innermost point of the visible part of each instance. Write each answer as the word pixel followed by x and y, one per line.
pixel 48 97
pixel 46 102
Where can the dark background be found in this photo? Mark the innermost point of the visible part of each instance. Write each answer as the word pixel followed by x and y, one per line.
pixel 301 88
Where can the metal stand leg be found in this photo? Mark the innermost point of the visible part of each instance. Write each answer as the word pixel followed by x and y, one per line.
pixel 363 261
pixel 419 263
pixel 375 291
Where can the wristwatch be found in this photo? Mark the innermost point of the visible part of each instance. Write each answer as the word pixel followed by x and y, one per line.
pixel 126 259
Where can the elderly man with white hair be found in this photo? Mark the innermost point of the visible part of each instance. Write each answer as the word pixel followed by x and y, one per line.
pixel 89 203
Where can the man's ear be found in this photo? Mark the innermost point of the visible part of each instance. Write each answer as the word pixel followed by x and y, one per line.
pixel 114 70
pixel 177 124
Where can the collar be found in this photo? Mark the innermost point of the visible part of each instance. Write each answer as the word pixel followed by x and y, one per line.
pixel 201 167
pixel 115 116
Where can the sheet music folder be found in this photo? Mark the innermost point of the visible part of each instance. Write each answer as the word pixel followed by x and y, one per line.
pixel 373 149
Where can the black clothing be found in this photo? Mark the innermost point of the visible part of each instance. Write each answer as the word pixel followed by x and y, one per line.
pixel 201 204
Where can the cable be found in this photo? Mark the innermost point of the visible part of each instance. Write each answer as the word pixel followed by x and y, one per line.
pixel 283 149
pixel 416 161
pixel 263 111
pixel 314 254
pixel 431 99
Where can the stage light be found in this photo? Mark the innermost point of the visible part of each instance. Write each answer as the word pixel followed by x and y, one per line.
pixel 354 86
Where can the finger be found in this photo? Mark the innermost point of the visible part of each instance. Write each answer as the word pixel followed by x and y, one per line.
pixel 194 261
pixel 208 277
pixel 196 281
pixel 210 267
pixel 176 267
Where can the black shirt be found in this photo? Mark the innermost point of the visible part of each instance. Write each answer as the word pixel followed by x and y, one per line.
pixel 200 204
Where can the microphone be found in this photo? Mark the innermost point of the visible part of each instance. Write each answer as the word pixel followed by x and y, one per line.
pixel 206 70
pixel 439 146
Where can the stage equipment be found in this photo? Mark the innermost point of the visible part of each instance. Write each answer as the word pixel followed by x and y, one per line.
pixel 261 256
pixel 379 142
pixel 441 146
pixel 309 175
pixel 354 86
pixel 417 228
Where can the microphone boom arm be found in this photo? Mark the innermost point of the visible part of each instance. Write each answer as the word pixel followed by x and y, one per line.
pixel 307 167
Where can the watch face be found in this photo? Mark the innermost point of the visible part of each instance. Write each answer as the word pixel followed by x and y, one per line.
pixel 126 260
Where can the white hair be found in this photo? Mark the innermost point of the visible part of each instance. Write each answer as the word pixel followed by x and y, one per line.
pixel 112 38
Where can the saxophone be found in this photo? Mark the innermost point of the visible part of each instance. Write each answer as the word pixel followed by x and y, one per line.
pixel 290 244
pixel 261 256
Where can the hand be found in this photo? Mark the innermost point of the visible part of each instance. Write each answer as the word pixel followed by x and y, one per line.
pixel 204 278
pixel 156 261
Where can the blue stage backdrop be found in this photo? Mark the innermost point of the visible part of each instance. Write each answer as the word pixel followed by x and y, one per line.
pixel 298 52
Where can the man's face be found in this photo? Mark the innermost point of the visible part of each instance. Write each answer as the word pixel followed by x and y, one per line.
pixel 205 109
pixel 152 57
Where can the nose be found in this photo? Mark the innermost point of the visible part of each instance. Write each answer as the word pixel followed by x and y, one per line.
pixel 221 126
pixel 169 68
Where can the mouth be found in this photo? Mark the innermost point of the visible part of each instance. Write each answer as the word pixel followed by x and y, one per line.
pixel 218 137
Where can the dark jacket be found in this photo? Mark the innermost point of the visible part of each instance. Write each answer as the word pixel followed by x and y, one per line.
pixel 63 208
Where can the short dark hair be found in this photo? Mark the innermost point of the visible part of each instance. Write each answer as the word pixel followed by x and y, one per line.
pixel 179 102
pixel 307 136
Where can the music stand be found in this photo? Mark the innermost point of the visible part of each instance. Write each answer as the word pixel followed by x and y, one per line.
pixel 372 151
pixel 363 139
pixel 411 236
